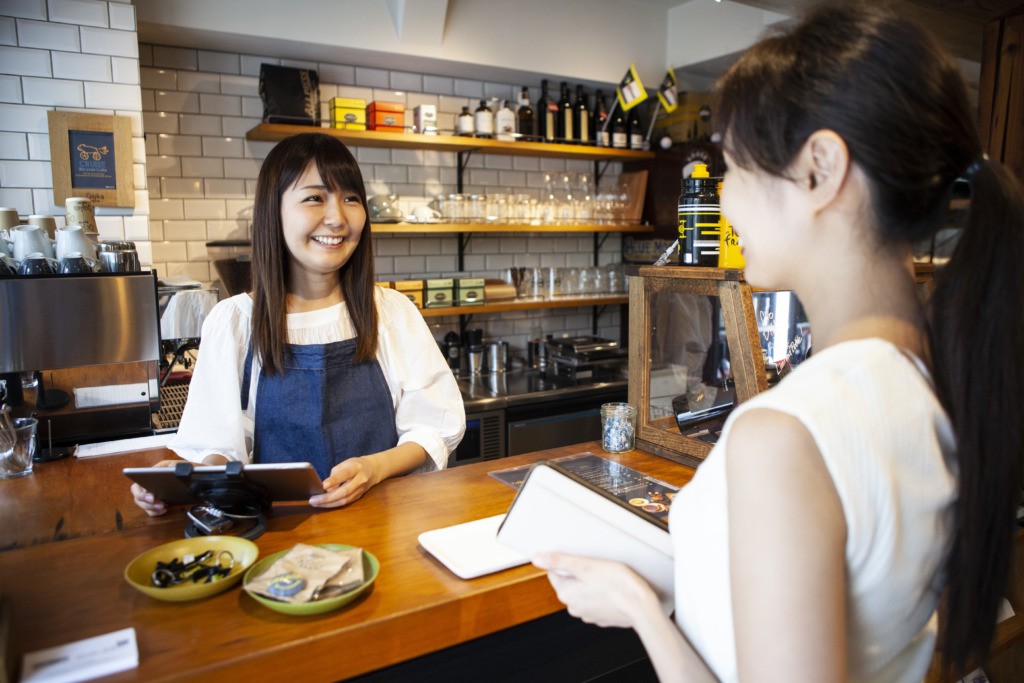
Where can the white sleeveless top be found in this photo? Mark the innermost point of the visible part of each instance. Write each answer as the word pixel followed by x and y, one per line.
pixel 889 448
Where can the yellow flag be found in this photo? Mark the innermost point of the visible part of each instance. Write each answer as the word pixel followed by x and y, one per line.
pixel 667 92
pixel 630 91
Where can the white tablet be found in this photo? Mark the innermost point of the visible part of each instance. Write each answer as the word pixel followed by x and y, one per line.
pixel 277 481
pixel 556 511
pixel 471 549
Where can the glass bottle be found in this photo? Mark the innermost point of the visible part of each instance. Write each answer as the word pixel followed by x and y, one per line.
pixel 601 134
pixel 637 134
pixel 546 114
pixel 505 123
pixel 524 116
pixel 619 130
pixel 581 117
pixel 483 121
pixel 464 123
pixel 564 128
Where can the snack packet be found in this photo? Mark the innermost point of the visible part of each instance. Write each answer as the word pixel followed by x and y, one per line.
pixel 308 572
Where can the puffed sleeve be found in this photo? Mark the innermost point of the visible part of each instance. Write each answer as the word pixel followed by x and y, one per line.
pixel 213 420
pixel 428 403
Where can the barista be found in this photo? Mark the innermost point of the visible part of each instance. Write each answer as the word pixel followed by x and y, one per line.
pixel 317 364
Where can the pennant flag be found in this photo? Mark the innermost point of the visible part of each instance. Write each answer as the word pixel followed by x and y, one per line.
pixel 631 91
pixel 667 92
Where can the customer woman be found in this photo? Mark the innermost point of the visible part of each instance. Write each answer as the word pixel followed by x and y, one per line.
pixel 318 364
pixel 815 541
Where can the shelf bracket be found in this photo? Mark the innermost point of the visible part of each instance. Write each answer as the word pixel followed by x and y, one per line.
pixel 462 161
pixel 464 320
pixel 599 171
pixel 599 240
pixel 598 312
pixel 463 243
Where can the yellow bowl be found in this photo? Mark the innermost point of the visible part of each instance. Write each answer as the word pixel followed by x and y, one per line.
pixel 139 571
pixel 371 567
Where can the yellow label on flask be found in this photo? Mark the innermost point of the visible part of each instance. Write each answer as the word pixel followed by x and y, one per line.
pixel 730 252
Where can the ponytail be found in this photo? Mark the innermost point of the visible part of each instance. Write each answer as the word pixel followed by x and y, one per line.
pixel 977 332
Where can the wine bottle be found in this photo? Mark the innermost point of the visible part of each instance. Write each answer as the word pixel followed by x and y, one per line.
pixel 464 123
pixel 601 134
pixel 620 130
pixel 581 117
pixel 564 127
pixel 483 120
pixel 524 116
pixel 546 110
pixel 637 134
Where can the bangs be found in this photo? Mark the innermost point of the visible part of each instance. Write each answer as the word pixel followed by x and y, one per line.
pixel 337 173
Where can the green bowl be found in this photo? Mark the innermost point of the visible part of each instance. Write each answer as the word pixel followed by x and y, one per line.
pixel 371 567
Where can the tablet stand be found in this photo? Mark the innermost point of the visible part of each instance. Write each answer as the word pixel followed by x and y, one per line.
pixel 231 493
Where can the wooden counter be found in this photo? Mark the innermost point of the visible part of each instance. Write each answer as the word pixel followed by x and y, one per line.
pixel 70 529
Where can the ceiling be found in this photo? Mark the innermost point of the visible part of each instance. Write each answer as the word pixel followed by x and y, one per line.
pixel 958 23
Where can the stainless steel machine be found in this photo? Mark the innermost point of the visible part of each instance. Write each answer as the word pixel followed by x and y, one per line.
pixel 91 343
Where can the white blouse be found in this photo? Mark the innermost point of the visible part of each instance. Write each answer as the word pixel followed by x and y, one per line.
pixel 428 404
pixel 889 449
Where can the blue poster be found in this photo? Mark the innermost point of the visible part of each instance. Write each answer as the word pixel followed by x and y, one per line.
pixel 92 159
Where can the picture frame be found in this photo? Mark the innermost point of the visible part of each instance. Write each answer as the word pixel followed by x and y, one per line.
pixel 91 156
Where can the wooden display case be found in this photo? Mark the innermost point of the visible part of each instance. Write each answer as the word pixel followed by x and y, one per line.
pixel 693 307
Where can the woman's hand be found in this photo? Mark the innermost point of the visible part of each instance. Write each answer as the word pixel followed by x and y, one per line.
pixel 153 506
pixel 597 591
pixel 352 478
pixel 348 481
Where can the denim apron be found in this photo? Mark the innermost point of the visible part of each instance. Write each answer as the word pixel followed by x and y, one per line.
pixel 323 408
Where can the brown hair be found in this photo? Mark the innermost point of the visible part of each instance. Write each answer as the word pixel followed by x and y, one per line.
pixel 281 170
pixel 897 98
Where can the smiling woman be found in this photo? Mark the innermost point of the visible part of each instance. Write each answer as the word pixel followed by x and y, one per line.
pixel 317 364
pixel 321 228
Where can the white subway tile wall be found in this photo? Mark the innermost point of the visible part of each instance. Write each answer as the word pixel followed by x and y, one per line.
pixel 70 55
pixel 199 104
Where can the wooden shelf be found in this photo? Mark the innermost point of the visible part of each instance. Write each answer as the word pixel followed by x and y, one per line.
pixel 272 132
pixel 414 228
pixel 527 305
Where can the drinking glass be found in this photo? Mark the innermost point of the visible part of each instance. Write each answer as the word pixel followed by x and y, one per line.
pixel 16 461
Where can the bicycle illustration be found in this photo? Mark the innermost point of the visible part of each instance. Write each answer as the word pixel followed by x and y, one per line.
pixel 97 153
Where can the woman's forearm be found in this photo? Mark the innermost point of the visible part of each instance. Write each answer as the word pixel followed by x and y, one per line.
pixel 401 459
pixel 672 656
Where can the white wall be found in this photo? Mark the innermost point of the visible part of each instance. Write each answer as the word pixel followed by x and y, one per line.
pixel 71 55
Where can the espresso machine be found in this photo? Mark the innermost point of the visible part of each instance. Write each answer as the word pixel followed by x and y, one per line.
pixel 91 342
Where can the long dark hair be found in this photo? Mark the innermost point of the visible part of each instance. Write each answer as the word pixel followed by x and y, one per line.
pixel 281 169
pixel 897 98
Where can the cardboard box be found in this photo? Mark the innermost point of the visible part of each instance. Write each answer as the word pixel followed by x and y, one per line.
pixel 348 113
pixel 386 116
pixel 424 119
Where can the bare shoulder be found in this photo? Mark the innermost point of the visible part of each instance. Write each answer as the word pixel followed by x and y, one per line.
pixel 774 467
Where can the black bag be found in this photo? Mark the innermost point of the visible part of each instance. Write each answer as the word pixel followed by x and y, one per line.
pixel 290 95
